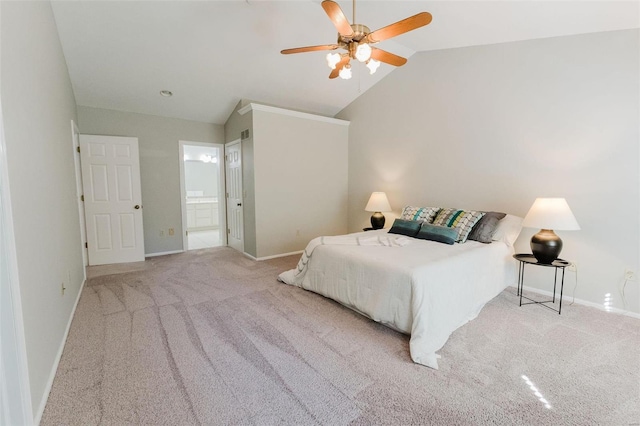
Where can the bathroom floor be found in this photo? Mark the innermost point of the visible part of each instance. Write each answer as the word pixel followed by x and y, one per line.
pixel 204 239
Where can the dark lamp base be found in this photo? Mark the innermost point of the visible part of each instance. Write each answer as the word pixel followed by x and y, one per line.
pixel 546 246
pixel 377 220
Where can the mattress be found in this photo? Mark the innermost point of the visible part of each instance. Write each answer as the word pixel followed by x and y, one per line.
pixel 423 288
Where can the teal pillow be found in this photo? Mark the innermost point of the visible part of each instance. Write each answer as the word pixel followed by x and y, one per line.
pixel 405 227
pixel 441 234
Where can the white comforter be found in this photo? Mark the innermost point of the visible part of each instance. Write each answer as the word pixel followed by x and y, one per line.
pixel 423 288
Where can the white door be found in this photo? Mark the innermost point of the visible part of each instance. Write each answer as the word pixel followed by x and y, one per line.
pixel 233 162
pixel 112 199
pixel 75 135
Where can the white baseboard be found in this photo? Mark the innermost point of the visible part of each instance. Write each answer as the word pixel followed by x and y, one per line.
pixel 566 298
pixel 163 253
pixel 275 256
pixel 54 370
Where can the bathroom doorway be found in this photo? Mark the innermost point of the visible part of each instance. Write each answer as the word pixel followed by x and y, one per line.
pixel 203 201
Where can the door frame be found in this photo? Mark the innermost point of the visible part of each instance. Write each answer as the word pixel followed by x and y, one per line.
pixel 75 140
pixel 222 185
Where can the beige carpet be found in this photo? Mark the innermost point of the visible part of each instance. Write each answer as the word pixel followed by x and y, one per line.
pixel 210 337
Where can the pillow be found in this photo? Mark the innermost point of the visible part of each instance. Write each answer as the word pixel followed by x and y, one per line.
pixel 462 220
pixel 441 234
pixel 508 230
pixel 405 227
pixel 484 229
pixel 422 214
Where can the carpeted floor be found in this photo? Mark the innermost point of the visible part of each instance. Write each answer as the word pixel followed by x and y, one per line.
pixel 210 337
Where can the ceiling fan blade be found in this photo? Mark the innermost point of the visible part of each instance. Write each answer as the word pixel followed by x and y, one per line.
pixel 387 58
pixel 344 61
pixel 337 17
pixel 400 27
pixel 309 49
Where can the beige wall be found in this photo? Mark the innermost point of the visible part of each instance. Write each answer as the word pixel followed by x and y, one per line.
pixel 300 167
pixel 38 106
pixel 494 127
pixel 159 164
pixel 294 178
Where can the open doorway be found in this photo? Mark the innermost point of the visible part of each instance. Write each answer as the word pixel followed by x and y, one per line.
pixel 202 183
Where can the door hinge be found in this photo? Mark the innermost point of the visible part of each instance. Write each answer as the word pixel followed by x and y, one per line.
pixel 186 232
pixel 86 245
pixel 228 231
pixel 78 148
pixel 82 198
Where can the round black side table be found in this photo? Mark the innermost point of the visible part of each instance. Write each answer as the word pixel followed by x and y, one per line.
pixel 528 259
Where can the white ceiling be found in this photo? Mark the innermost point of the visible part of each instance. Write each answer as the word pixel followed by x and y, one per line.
pixel 211 54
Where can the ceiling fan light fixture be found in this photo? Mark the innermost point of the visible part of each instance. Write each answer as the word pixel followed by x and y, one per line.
pixel 345 72
pixel 373 65
pixel 363 52
pixel 333 59
pixel 357 39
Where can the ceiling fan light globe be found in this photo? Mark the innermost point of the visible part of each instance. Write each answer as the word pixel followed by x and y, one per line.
pixel 363 52
pixel 345 73
pixel 373 65
pixel 333 59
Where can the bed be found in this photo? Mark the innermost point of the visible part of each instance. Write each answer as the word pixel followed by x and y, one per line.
pixel 423 288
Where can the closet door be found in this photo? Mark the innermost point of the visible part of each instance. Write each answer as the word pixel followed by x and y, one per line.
pixel 113 199
pixel 233 168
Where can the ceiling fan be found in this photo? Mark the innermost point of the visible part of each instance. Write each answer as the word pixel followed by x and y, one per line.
pixel 357 39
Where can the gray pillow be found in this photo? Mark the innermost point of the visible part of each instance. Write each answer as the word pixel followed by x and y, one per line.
pixel 484 229
pixel 441 234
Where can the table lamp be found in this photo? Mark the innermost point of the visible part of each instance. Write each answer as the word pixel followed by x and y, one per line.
pixel 378 203
pixel 549 214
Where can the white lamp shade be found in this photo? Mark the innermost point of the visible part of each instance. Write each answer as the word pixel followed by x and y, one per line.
pixel 551 213
pixel 378 202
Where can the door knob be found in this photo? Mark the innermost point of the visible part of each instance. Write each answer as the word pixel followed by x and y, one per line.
pixel 137 206
pixel 239 204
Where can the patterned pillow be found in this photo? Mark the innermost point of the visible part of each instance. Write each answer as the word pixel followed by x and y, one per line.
pixel 462 220
pixel 421 214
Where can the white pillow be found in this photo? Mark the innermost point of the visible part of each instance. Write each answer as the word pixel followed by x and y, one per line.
pixel 508 229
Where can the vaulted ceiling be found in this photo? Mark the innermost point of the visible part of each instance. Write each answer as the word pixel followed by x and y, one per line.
pixel 211 54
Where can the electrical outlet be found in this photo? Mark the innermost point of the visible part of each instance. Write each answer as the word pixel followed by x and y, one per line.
pixel 171 231
pixel 629 275
pixel 162 232
pixel 297 232
pixel 573 267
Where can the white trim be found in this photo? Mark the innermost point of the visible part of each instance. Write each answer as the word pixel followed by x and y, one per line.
pixel 222 188
pixel 275 256
pixel 298 114
pixel 569 299
pixel 75 142
pixel 163 253
pixel 54 370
